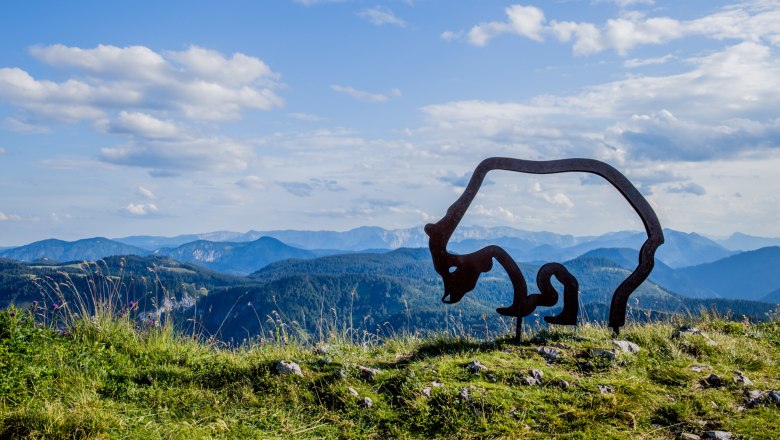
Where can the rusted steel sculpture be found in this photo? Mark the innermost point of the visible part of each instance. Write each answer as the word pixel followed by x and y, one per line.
pixel 461 272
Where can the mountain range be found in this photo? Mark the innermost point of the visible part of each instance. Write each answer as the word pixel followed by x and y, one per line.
pixel 688 264
pixel 242 253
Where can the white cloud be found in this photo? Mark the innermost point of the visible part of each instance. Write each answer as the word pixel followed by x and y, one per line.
pixel 305 117
pixel 725 105
pixel 140 209
pixel 3 151
pixel 132 62
pixel 210 65
pixel 381 15
pixel 498 212
pixel 625 33
pixel 141 125
pixel 9 217
pixel 527 21
pixel 206 153
pixel 451 36
pixel 145 193
pixel 587 37
pixel 197 83
pixel 639 62
pixel 364 96
pixel 160 99
pixel 750 21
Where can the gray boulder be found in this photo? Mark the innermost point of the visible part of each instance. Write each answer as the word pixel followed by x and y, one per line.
pixel 289 368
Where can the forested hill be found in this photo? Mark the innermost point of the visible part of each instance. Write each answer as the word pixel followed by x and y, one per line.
pixel 388 292
pixel 90 249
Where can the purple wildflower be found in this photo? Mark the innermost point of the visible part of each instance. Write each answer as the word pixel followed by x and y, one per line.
pixel 12 313
pixel 55 306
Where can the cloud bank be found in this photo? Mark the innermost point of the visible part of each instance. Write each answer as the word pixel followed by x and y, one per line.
pixel 159 100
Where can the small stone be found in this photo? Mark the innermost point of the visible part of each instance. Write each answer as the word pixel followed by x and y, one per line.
pixel 626 346
pixel 531 381
pixel 436 384
pixel 688 436
pixel 367 402
pixel 287 368
pixel 538 375
pixel 718 435
pixel 549 353
pixel 476 367
pixel 353 392
pixel 742 380
pixel 368 372
pixel 774 397
pixel 603 389
pixel 700 368
pixel 687 330
pixel 713 380
pixel 563 384
pixel 426 392
pixel 755 398
pixel 607 354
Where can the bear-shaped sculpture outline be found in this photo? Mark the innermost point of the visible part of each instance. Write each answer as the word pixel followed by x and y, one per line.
pixel 460 273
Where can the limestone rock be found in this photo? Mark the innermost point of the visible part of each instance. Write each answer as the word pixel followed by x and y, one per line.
pixel 287 368
pixel 603 389
pixel 353 392
pixel 531 381
pixel 626 346
pixel 718 435
pixel 550 353
pixel 368 372
pixel 740 379
pixel 367 402
pixel 476 367
pixel 607 354
pixel 700 368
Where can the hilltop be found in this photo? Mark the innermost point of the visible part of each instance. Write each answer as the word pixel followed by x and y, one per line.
pixel 105 378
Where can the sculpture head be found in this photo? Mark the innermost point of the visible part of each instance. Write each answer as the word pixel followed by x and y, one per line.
pixel 458 272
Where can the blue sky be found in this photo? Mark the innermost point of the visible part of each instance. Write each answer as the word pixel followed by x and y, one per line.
pixel 145 117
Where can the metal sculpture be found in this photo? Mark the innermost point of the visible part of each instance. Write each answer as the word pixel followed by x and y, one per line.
pixel 461 272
